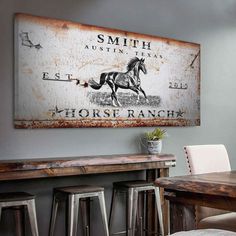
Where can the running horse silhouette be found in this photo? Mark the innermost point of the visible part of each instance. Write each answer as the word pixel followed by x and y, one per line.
pixel 128 80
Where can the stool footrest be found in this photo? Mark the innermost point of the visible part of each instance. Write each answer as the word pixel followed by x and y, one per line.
pixel 120 232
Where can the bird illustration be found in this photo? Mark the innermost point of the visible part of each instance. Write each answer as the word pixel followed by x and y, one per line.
pixel 27 42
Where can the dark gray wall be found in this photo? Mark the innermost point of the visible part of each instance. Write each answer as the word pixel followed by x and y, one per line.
pixel 212 23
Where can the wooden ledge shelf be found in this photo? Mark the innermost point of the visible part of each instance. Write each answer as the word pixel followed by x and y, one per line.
pixel 69 166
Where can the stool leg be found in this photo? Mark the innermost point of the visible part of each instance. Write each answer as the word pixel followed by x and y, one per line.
pixel 53 215
pixel 19 213
pixel 73 211
pixel 103 211
pixel 159 210
pixel 134 211
pixel 85 212
pixel 112 209
pixel 32 217
pixel 140 214
pixel 130 197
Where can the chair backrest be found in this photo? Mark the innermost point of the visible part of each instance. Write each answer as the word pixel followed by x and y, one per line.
pixel 207 158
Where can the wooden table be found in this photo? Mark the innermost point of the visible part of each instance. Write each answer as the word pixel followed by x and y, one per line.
pixel 216 190
pixel 155 166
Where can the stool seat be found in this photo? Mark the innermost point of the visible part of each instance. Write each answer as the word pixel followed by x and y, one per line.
pixel 79 189
pixel 133 184
pixel 15 196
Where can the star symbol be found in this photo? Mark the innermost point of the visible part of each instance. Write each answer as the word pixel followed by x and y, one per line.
pixel 179 113
pixel 55 111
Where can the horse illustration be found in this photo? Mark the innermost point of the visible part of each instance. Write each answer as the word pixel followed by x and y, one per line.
pixel 128 80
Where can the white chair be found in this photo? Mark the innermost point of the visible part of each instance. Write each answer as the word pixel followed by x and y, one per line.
pixel 205 159
pixel 205 232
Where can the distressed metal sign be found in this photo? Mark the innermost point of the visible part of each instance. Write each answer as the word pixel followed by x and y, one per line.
pixel 73 75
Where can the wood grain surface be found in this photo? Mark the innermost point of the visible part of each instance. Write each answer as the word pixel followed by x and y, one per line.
pixel 217 183
pixel 68 166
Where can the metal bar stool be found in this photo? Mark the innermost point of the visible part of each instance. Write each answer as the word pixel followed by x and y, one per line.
pixel 132 190
pixel 72 196
pixel 18 201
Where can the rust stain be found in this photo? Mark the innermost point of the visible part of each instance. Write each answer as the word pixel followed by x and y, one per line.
pixel 56 61
pixel 91 62
pixel 155 67
pixel 62 25
pixel 37 93
pixel 28 71
pixel 118 65
pixel 44 20
pixel 65 26
pixel 89 123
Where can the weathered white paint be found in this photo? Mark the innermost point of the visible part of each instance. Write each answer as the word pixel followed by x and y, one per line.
pixel 51 56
